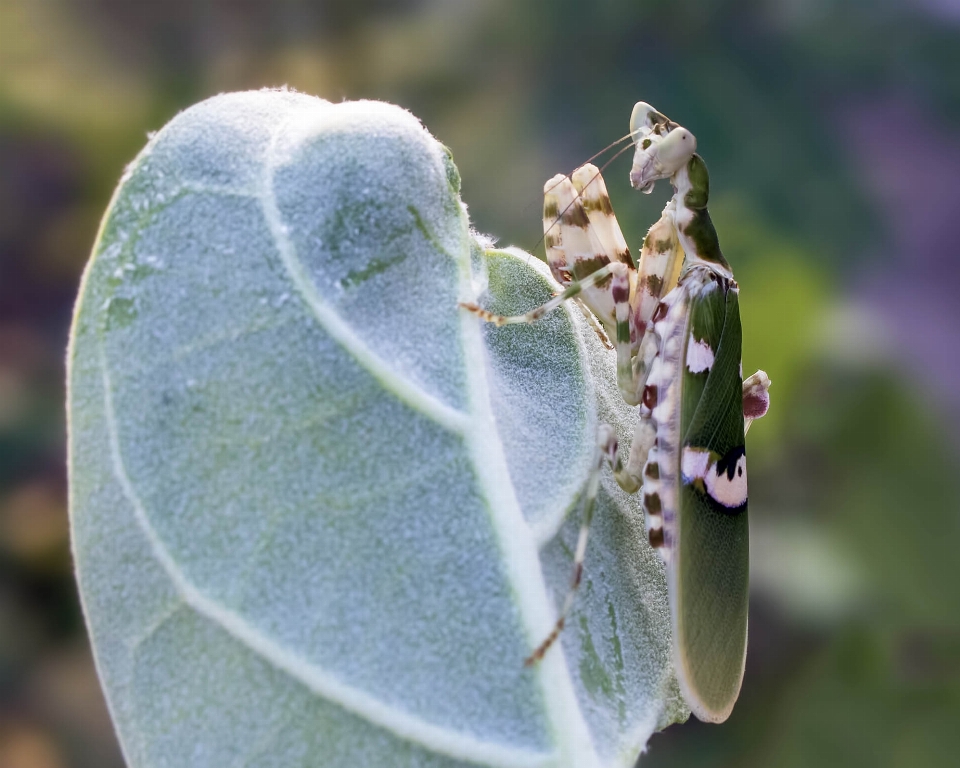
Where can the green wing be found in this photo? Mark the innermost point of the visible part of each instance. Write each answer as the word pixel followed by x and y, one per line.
pixel 709 565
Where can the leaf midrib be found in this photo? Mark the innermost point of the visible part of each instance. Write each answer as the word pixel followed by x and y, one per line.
pixel 478 428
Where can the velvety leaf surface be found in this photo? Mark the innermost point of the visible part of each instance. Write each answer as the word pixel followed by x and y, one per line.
pixel 319 512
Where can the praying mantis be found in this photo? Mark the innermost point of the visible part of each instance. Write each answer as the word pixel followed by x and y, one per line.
pixel 674 322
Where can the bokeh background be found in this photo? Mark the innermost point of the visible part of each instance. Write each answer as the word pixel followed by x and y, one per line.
pixel 832 131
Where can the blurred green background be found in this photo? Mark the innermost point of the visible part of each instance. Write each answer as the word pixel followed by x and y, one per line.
pixel 832 131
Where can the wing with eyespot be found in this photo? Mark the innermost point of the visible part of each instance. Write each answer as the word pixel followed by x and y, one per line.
pixel 708 571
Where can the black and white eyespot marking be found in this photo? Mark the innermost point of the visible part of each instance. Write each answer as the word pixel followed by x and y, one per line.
pixel 732 465
pixel 723 479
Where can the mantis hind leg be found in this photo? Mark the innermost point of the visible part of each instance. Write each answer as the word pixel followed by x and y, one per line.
pixel 607 451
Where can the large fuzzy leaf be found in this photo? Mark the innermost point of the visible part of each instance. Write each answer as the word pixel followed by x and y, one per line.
pixel 319 512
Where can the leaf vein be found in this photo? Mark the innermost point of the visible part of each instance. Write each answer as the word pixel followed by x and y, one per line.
pixel 518 542
pixel 392 381
pixel 445 741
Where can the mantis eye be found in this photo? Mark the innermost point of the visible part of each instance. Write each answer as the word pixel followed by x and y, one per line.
pixel 675 151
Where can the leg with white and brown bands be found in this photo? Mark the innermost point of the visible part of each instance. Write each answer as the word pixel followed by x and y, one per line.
pixel 642 362
pixel 572 290
pixel 623 342
pixel 652 505
pixel 605 438
pixel 636 298
pixel 582 238
pixel 657 275
pixel 581 234
pixel 647 464
pixel 658 270
pixel 628 477
pixel 592 192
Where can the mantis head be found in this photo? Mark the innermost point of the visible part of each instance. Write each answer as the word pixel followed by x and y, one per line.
pixel 663 147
